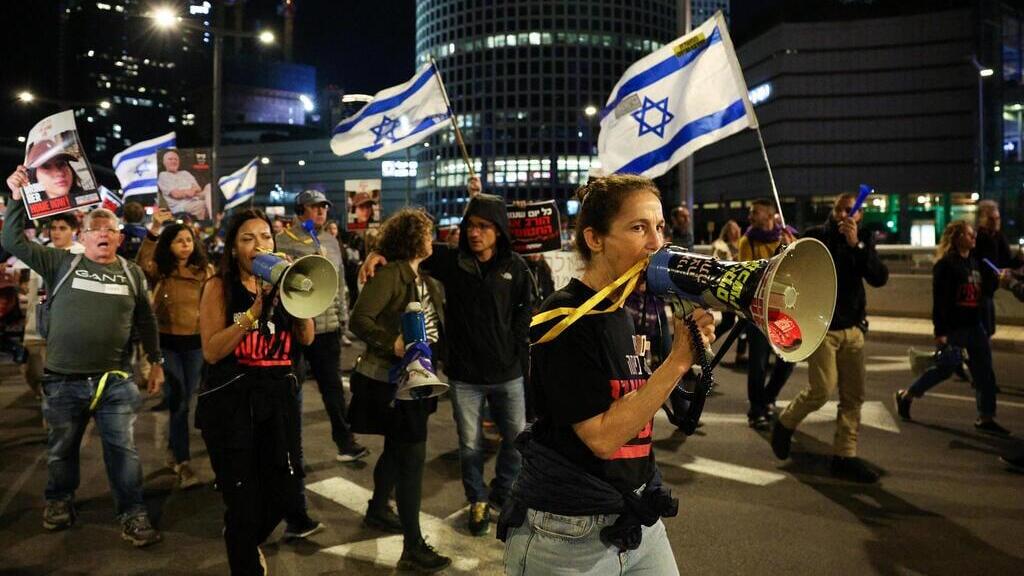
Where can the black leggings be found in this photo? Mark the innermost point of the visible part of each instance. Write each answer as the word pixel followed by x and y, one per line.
pixel 400 468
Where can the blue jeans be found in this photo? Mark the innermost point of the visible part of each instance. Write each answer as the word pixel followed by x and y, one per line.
pixel 184 369
pixel 552 544
pixel 507 401
pixel 979 352
pixel 66 410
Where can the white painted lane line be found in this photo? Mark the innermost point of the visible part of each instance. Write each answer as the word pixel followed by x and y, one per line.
pixel 728 471
pixel 873 414
pixel 971 399
pixel 468 553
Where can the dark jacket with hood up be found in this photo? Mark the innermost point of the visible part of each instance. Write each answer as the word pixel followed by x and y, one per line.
pixel 489 304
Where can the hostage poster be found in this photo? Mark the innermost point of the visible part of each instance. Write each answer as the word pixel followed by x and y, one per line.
pixel 59 174
pixel 183 181
pixel 363 197
pixel 535 227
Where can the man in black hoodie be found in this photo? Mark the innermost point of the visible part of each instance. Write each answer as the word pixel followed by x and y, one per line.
pixel 839 361
pixel 489 293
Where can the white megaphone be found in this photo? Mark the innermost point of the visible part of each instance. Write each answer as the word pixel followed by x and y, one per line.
pixel 307 286
pixel 415 375
pixel 789 297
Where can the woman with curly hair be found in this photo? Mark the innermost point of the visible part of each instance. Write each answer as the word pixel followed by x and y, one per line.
pixel 405 240
pixel 957 316
pixel 176 266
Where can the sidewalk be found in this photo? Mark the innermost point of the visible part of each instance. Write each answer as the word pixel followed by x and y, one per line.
pixel 919 331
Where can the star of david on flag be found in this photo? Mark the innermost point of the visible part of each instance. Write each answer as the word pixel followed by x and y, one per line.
pixel 674 102
pixel 396 118
pixel 136 165
pixel 641 116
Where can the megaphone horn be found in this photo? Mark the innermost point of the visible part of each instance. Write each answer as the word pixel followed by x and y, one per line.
pixel 308 286
pixel 416 377
pixel 789 297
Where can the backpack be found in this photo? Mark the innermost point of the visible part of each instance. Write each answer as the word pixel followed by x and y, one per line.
pixel 65 270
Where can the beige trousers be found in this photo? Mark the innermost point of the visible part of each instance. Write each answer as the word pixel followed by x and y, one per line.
pixel 838 362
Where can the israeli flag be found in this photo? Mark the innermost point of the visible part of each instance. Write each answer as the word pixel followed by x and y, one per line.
pixel 136 165
pixel 239 186
pixel 674 102
pixel 396 118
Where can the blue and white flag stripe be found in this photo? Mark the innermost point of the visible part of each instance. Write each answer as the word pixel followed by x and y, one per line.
pixel 136 166
pixel 673 102
pixel 239 186
pixel 396 118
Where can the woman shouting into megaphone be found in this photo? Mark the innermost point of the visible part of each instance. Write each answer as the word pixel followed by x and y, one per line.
pixel 247 409
pixel 589 490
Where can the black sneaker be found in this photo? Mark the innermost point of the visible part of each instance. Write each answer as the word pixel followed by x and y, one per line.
pixel 903 400
pixel 304 528
pixel 759 422
pixel 782 440
pixel 354 451
pixel 422 558
pixel 853 469
pixel 137 530
pixel 479 519
pixel 990 426
pixel 59 515
pixel 383 519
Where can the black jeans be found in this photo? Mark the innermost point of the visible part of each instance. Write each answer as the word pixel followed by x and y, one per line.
pixel 758 394
pixel 324 356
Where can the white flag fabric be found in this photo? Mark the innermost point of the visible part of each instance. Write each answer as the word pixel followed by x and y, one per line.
pixel 396 118
pixel 239 186
pixel 674 102
pixel 136 165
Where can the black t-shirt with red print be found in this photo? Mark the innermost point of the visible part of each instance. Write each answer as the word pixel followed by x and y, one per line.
pixel 956 293
pixel 578 375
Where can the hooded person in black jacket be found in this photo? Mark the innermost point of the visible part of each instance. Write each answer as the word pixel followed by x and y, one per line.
pixel 839 361
pixel 490 295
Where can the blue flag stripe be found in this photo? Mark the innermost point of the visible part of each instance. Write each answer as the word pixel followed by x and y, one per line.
pixel 144 152
pixel 666 67
pixel 691 131
pixel 424 125
pixel 385 104
pixel 148 182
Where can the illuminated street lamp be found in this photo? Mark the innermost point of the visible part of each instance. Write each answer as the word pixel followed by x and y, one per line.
pixel 26 96
pixel 590 111
pixel 165 18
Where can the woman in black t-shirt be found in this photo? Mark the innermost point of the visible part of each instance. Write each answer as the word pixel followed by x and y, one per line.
pixel 589 489
pixel 957 313
pixel 247 410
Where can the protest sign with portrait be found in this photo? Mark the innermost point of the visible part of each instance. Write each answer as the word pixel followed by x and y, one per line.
pixel 60 178
pixel 363 198
pixel 184 181
pixel 535 227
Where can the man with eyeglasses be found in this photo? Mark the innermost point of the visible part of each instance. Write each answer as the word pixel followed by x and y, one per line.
pixel 95 301
pixel 489 293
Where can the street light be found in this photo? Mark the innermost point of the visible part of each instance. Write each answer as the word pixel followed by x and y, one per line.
pixel 307 103
pixel 983 72
pixel 590 110
pixel 105 104
pixel 264 160
pixel 26 96
pixel 166 18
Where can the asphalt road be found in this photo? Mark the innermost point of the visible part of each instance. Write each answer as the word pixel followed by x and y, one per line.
pixel 945 505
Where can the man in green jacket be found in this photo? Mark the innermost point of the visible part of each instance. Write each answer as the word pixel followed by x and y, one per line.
pixel 88 364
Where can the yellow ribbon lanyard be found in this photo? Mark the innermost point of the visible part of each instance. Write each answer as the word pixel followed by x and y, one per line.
pixel 630 279
pixel 103 384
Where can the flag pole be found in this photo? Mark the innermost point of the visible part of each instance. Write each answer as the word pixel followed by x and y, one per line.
pixel 455 124
pixel 771 177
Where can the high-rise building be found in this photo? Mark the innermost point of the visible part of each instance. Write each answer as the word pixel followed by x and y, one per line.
pixel 701 10
pixel 526 79
pixel 126 80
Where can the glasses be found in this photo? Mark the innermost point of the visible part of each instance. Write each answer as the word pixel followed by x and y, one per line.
pixel 482 227
pixel 103 230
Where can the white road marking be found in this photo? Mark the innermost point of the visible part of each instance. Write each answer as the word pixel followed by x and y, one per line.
pixel 879 364
pixel 873 414
pixel 728 471
pixel 468 553
pixel 971 399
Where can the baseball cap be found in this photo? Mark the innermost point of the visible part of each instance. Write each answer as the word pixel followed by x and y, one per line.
pixel 312 197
